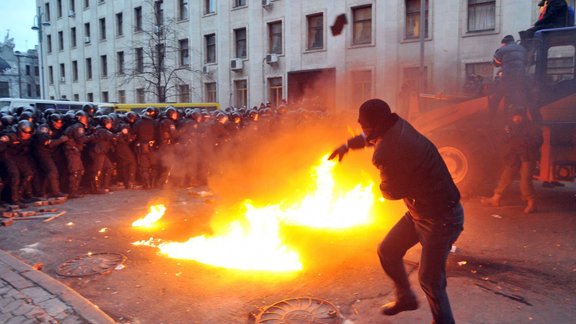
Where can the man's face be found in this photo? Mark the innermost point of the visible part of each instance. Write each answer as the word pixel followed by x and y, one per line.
pixel 367 129
pixel 57 124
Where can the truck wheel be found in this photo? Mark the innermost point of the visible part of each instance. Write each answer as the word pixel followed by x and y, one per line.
pixel 468 162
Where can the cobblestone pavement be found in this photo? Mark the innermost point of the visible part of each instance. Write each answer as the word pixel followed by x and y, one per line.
pixel 30 296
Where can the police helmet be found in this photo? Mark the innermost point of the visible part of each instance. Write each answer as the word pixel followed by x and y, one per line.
pixel 25 127
pixel 89 109
pixel 172 113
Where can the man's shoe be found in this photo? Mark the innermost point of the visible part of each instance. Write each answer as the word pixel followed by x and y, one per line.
pixel 530 207
pixel 493 201
pixel 398 306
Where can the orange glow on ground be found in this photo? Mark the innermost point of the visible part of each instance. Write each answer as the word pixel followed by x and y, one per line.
pixel 254 242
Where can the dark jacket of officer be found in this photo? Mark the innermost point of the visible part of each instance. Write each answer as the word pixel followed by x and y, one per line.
pixel 46 140
pixel 167 131
pixel 102 141
pixel 145 130
pixel 554 16
pixel 77 137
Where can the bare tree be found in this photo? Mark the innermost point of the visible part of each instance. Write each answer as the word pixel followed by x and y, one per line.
pixel 161 63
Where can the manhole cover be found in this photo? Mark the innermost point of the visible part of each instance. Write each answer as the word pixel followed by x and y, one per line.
pixel 300 311
pixel 90 264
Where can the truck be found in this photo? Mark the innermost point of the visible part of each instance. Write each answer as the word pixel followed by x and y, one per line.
pixel 469 137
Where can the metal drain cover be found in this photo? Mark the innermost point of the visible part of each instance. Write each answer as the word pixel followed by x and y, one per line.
pixel 303 310
pixel 90 264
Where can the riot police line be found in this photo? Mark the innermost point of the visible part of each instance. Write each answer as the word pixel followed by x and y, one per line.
pixel 47 154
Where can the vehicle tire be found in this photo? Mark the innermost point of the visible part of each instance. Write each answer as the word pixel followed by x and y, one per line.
pixel 470 160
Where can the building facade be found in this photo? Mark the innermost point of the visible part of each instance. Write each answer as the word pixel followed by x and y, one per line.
pixel 19 72
pixel 244 52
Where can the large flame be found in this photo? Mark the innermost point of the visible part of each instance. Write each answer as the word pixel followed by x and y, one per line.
pixel 155 213
pixel 254 242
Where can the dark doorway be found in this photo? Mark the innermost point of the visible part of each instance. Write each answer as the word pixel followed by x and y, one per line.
pixel 312 89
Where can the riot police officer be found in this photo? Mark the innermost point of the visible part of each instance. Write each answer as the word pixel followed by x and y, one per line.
pixel 145 145
pixel 18 160
pixel 100 164
pixel 167 137
pixel 47 139
pixel 77 139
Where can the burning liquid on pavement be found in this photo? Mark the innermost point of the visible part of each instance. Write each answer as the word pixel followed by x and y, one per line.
pixel 254 242
pixel 155 213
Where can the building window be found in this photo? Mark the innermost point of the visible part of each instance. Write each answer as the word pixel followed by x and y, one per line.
pixel 105 97
pixel 49 43
pixel 36 71
pixel 59 8
pixel 88 69
pixel 485 70
pixel 73 40
pixel 240 42
pixel 4 89
pixel 76 97
pixel 86 4
pixel 481 15
pixel 72 6
pixel 74 70
pixel 275 37
pixel 120 62
pixel 138 19
pixel 210 89
pixel 159 12
pixel 413 19
pixel 139 59
pixel 275 91
pixel 47 11
pixel 140 98
pixel 315 31
pixel 239 3
pixel 361 86
pixel 51 74
pixel 90 96
pixel 87 33
pixel 27 69
pixel 362 25
pixel 119 24
pixel 184 52
pixel 241 93
pixel 103 66
pixel 102 23
pixel 29 90
pixel 184 93
pixel 61 40
pixel 209 6
pixel 62 72
pixel 210 41
pixel 182 9
pixel 122 96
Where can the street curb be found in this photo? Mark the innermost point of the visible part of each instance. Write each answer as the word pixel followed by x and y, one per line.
pixel 83 307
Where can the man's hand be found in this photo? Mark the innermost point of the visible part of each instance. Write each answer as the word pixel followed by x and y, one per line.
pixel 340 151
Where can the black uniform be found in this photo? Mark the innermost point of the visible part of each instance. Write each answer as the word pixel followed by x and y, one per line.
pixel 167 139
pixel 77 139
pixel 100 164
pixel 145 145
pixel 45 143
pixel 19 165
pixel 125 156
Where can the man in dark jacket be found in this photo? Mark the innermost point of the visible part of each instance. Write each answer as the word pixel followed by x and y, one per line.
pixel 553 14
pixel 412 169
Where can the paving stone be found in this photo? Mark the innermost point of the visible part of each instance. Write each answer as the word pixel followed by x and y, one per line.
pixel 5 289
pixel 17 320
pixel 16 280
pixel 5 301
pixel 16 294
pixel 38 314
pixel 37 294
pixel 12 306
pixel 23 309
pixel 53 306
pixel 4 317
